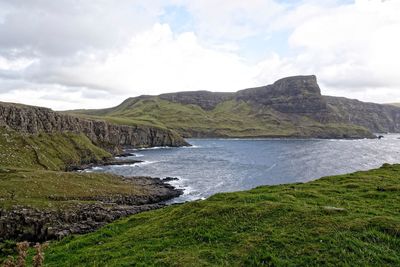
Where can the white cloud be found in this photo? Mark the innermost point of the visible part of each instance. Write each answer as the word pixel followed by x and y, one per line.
pixel 64 27
pixel 158 61
pixel 353 49
pixel 232 19
pixel 69 53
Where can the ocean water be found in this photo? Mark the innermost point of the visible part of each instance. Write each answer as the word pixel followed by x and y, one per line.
pixel 222 165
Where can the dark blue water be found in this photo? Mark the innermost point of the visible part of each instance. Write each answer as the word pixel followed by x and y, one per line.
pixel 222 165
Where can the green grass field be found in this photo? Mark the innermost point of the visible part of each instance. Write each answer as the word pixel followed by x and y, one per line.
pixel 346 220
pixel 54 189
pixel 47 151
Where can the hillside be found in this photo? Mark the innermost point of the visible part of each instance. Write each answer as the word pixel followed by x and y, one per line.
pixel 346 220
pixel 291 107
pixel 55 151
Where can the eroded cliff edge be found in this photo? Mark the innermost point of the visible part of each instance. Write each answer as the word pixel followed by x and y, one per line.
pixel 35 120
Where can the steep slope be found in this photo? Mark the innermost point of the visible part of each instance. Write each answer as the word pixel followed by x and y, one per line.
pixel 291 107
pixel 376 117
pixel 56 151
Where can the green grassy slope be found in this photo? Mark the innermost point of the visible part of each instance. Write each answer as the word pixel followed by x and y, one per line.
pixel 47 151
pixel 50 189
pixel 228 119
pixel 346 220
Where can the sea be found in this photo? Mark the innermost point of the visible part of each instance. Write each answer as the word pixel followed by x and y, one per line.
pixel 211 166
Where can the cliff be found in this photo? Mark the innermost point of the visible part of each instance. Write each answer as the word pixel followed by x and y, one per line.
pixel 376 117
pixel 205 99
pixel 298 95
pixel 35 120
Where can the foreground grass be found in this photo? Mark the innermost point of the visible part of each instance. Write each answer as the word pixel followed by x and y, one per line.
pixel 349 220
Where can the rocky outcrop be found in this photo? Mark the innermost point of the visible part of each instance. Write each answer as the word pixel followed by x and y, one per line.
pixel 24 223
pixel 298 95
pixel 205 99
pixel 33 120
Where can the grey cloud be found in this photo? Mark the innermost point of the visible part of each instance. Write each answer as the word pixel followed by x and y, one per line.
pixel 63 28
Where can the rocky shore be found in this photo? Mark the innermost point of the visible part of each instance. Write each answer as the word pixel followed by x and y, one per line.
pixel 33 224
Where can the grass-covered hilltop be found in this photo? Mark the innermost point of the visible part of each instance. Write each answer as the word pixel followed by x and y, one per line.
pixel 346 220
pixel 291 107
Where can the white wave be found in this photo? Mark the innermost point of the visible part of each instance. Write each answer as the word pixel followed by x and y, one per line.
pixel 144 163
pixel 96 168
pixel 152 148
pixel 188 190
pixel 193 146
pixel 270 168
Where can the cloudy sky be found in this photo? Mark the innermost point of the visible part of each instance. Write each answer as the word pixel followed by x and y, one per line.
pixel 69 54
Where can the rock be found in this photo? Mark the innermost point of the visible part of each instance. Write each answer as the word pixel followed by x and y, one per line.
pixel 22 223
pixel 333 209
pixel 377 118
pixel 125 155
pixel 299 95
pixel 168 179
pixel 205 99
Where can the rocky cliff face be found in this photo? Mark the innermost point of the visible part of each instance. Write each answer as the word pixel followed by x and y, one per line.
pixel 33 120
pixel 375 117
pixel 296 95
pixel 299 95
pixel 205 99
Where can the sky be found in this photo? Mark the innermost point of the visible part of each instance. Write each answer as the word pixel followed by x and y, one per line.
pixel 72 54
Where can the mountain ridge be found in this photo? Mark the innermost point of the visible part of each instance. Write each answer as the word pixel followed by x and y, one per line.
pixel 290 107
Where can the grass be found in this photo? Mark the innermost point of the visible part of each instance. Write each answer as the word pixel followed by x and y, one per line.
pixel 346 220
pixel 47 151
pixel 50 189
pixel 31 171
pixel 228 119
